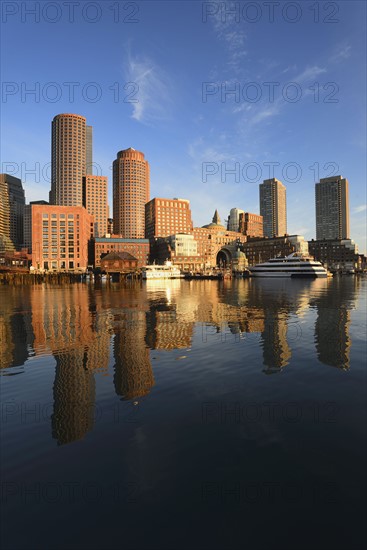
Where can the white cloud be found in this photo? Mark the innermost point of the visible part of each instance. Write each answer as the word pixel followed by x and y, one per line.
pixel 263 114
pixel 234 39
pixel 361 208
pixel 152 89
pixel 342 54
pixel 310 73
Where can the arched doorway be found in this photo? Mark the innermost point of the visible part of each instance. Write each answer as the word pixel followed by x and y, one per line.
pixel 224 258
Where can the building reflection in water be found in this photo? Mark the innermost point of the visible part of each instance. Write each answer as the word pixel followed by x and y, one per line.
pixel 74 397
pixel 170 318
pixel 332 338
pixel 133 373
pixel 133 370
pixel 276 351
pixel 75 324
pixel 78 338
pixel 16 331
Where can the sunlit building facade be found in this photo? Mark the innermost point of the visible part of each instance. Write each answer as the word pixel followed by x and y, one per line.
pixel 332 208
pixel 131 191
pixel 69 159
pixel 273 207
pixel 60 237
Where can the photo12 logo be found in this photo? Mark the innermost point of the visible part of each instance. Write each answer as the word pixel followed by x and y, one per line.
pixel 253 172
pixel 53 92
pixel 69 12
pixel 270 12
pixel 269 92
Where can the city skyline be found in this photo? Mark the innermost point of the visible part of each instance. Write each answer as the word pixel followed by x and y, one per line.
pixel 197 121
pixel 129 187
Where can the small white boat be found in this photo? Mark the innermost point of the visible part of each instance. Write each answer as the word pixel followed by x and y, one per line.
pixel 166 271
pixel 294 265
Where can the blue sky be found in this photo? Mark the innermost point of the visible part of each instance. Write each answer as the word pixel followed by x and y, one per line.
pixel 298 84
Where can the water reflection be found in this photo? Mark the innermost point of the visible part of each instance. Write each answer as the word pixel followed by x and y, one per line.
pixel 133 370
pixel 332 338
pixel 89 332
pixel 74 397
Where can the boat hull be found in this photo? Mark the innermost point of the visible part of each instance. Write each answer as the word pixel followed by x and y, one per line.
pixel 158 276
pixel 288 275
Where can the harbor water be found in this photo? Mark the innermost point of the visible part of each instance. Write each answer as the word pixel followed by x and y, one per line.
pixel 184 415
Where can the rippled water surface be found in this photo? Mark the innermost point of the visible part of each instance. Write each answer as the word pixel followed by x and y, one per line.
pixel 188 415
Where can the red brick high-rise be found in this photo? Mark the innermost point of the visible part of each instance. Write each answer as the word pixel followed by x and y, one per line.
pixel 131 191
pixel 165 217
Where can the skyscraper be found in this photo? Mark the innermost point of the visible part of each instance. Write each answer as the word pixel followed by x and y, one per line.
pixel 234 219
pixel 69 159
pixel 89 149
pixel 273 207
pixel 12 202
pixel 332 208
pixel 95 202
pixel 131 191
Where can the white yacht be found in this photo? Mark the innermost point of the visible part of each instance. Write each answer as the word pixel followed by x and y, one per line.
pixel 166 271
pixel 294 265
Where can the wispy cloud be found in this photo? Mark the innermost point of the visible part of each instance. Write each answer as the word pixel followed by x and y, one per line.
pixel 343 53
pixel 361 208
pixel 233 38
pixel 263 114
pixel 309 74
pixel 150 95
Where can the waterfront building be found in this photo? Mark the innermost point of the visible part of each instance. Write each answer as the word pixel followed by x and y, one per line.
pixel 118 262
pixel 251 225
pixel 234 219
pixel 27 226
pixel 164 217
pixel 60 237
pixel 95 202
pixel 131 191
pixel 336 254
pixel 260 250
pixel 181 249
pixel 138 248
pixel 183 244
pixel 273 207
pixel 12 202
pixel 212 238
pixel 69 159
pixel 332 208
